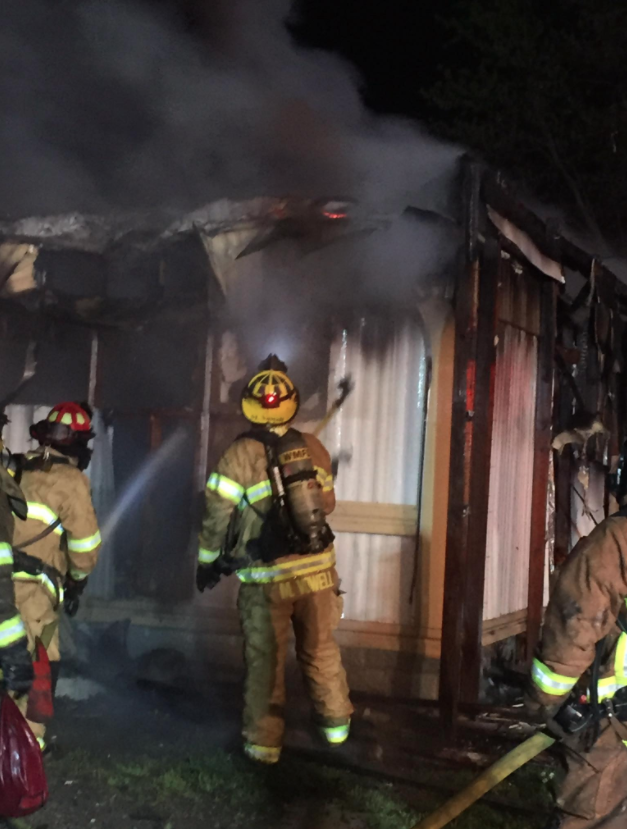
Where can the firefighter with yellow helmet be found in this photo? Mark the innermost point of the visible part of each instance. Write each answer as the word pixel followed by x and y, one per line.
pixel 57 547
pixel 265 520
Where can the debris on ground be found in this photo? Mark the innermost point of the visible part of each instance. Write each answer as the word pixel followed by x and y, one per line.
pixel 150 760
pixel 224 789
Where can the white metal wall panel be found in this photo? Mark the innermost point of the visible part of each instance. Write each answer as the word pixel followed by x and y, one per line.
pixel 378 437
pixel 16 434
pixel 511 475
pixel 378 432
pixel 376 573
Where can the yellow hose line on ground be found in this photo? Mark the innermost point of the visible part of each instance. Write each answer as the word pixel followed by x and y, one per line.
pixel 487 780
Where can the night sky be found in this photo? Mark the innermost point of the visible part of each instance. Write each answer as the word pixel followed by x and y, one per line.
pixel 393 44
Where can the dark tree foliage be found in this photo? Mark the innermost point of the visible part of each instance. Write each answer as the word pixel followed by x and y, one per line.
pixel 540 88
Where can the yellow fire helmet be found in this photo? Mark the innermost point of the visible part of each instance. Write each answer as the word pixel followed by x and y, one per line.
pixel 270 398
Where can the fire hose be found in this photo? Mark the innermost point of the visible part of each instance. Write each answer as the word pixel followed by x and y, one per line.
pixel 574 717
pixel 487 780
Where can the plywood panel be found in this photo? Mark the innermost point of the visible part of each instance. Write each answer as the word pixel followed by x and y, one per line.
pixel 376 519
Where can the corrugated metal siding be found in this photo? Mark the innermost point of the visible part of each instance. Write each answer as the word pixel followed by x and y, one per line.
pixel 378 437
pixel 511 474
pixel 376 573
pixel 519 296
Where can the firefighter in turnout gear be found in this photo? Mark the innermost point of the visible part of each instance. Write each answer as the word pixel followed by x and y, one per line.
pixel 584 634
pixel 266 504
pixel 15 661
pixel 57 547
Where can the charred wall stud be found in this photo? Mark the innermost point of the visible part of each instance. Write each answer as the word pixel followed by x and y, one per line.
pixel 473 391
pixel 542 449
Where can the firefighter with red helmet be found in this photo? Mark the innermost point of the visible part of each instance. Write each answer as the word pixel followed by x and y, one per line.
pixel 57 547
pixel 265 519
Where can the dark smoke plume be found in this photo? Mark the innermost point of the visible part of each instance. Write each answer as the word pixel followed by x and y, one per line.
pixel 109 105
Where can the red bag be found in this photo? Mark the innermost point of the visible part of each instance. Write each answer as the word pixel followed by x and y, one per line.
pixel 23 786
pixel 40 706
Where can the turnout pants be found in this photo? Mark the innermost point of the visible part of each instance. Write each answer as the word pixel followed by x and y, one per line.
pixel 267 612
pixel 594 792
pixel 38 615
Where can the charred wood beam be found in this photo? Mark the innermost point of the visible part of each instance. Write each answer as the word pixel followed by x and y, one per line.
pixel 461 448
pixel 473 393
pixel 570 380
pixel 457 524
pixel 480 473
pixel 496 193
pixel 542 449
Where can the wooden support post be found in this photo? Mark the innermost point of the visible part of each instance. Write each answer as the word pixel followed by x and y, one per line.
pixel 457 524
pixel 473 398
pixel 474 580
pixel 542 449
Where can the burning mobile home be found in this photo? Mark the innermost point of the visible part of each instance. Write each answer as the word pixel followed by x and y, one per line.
pixel 472 336
pixel 159 325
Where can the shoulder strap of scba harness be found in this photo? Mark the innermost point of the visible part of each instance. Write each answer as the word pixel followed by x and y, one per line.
pixel 262 436
pixel 38 463
pixel 43 534
pixel 296 498
pixel 270 441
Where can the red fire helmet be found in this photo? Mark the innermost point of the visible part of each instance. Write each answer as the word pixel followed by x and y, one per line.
pixel 72 415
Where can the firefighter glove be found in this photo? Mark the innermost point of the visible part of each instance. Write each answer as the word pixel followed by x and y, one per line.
pixel 17 667
pixel 207 575
pixel 72 591
pixel 539 713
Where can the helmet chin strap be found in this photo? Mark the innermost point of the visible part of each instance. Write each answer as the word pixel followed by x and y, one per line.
pixel 279 430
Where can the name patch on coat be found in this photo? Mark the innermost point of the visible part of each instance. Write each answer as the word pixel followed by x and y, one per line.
pixel 301 454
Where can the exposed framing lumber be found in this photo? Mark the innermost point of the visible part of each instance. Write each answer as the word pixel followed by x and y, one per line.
pixel 542 449
pixel 474 580
pixel 473 402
